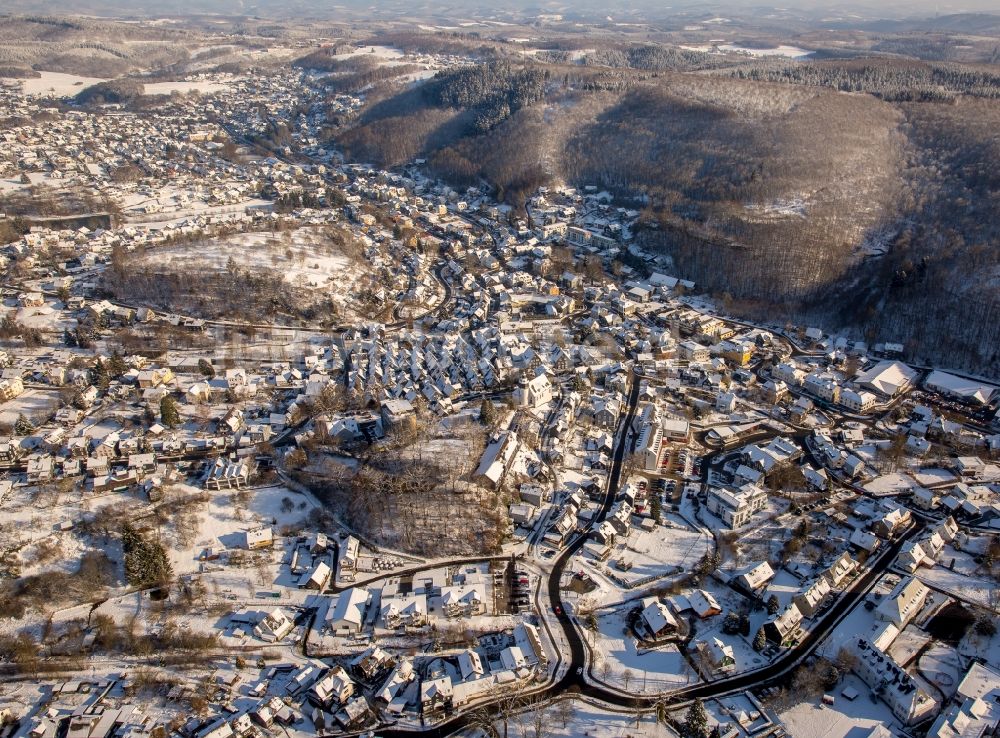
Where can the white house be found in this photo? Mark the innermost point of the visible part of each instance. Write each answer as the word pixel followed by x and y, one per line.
pixel 404 610
pixel 533 393
pixel 903 603
pixel 348 614
pixel 858 402
pixel 735 508
pixel 274 626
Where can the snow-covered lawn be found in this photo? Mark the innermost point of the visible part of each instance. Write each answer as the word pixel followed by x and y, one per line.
pixel 586 720
pixel 34 404
pixel 48 317
pixel 964 583
pixel 841 719
pixel 666 549
pixel 220 522
pixel 784 586
pixel 942 667
pixel 633 669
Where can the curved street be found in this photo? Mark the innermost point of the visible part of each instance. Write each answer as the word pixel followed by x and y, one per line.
pixel 574 677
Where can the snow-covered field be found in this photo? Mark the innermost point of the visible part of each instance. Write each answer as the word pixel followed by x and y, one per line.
pixel 302 256
pixel 35 404
pixel 58 84
pixel 47 317
pixel 382 53
pixel 778 209
pixel 221 520
pixel 789 52
pixel 586 720
pixel 68 85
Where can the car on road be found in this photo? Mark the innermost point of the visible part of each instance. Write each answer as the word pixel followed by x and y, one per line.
pixel 557 610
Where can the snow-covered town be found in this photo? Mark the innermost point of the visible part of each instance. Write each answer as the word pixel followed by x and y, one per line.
pixel 292 445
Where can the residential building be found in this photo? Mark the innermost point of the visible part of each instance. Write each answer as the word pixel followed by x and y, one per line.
pixel 258 538
pixel 783 628
pixel 715 658
pixel 348 614
pixel 753 579
pixel 858 402
pixel 462 601
pixel 404 611
pixel 908 702
pixel 811 599
pixel 735 508
pixel 657 618
pixel 333 689
pixel 901 605
pixel 274 626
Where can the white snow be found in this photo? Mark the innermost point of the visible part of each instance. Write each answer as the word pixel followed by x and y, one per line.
pixel 167 88
pixel 841 719
pixel 790 52
pixel 646 671
pixel 58 84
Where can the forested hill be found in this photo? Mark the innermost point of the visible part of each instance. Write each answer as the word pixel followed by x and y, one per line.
pixel 856 193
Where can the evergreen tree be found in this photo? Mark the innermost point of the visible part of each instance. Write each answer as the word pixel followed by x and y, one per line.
pixel 773 605
pixel 116 365
pixel 656 508
pixel 487 412
pixel 830 676
pixel 130 538
pixel 99 376
pixel 759 641
pixel 206 368
pixel 731 624
pixel 696 721
pixel 23 426
pixel 745 624
pixel 146 562
pixel 169 414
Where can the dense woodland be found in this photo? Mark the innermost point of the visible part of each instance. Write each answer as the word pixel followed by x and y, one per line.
pixel 248 294
pixel 901 81
pixel 414 500
pixel 118 91
pixel 492 91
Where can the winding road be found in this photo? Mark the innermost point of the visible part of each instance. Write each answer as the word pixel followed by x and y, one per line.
pixel 574 679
